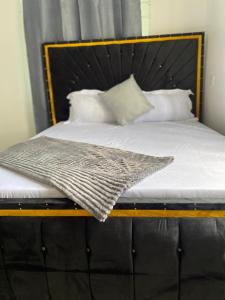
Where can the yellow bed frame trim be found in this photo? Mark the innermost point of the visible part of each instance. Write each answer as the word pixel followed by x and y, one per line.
pixel 114 213
pixel 128 41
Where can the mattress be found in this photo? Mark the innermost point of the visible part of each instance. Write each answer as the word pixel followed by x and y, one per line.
pixel 198 170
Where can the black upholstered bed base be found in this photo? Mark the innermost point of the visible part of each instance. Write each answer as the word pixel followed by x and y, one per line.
pixel 63 258
pixel 54 257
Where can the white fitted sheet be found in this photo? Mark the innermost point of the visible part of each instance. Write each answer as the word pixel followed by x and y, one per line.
pixel 198 171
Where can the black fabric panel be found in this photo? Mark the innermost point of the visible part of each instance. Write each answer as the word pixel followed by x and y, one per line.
pixel 110 286
pixel 21 242
pixel 22 259
pixel 62 239
pixel 117 254
pixel 69 285
pixel 28 285
pixel 5 289
pixel 156 262
pixel 203 265
pixel 155 65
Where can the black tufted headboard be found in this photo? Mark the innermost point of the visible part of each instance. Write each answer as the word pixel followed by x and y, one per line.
pixel 158 62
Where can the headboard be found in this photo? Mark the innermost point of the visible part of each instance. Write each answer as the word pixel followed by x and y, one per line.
pixel 157 62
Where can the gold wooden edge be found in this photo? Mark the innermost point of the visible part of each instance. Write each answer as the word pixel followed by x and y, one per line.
pixel 199 75
pixel 114 42
pixel 128 41
pixel 50 86
pixel 115 213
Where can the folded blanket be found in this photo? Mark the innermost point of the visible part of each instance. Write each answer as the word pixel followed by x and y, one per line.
pixel 92 176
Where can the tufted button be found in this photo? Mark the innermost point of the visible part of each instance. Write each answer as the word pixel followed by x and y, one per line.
pixel 88 65
pixel 88 250
pixel 179 250
pixel 133 251
pixel 43 248
pixel 160 66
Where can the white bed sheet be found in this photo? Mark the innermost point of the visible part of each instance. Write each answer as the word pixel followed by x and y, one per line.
pixel 198 171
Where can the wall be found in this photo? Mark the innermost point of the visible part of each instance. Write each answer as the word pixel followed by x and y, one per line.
pixel 214 109
pixel 145 16
pixel 16 115
pixel 177 16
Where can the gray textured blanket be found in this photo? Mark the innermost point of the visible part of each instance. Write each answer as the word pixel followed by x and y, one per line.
pixel 92 176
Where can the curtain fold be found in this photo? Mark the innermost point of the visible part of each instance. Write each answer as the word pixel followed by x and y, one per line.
pixel 66 20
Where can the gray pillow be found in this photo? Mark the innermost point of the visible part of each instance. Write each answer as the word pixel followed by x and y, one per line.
pixel 126 101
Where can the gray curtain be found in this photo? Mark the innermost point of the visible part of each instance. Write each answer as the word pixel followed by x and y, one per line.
pixel 66 20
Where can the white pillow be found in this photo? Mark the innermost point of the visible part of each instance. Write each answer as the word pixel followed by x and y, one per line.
pixel 169 92
pixel 88 108
pixel 169 105
pixel 89 92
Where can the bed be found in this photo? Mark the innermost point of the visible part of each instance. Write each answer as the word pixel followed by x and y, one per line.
pixel 165 238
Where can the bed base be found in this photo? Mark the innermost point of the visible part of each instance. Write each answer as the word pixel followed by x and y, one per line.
pixel 52 249
pixel 64 258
